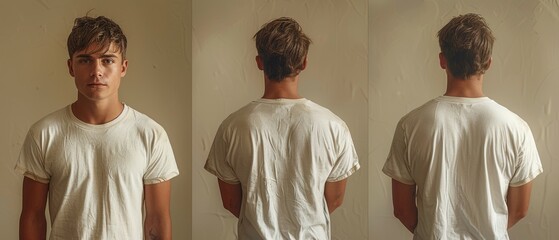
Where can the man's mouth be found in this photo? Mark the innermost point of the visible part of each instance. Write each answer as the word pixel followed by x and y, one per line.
pixel 96 85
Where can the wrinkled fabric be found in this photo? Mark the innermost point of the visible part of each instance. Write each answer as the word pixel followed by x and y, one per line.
pixel 282 152
pixel 463 154
pixel 96 173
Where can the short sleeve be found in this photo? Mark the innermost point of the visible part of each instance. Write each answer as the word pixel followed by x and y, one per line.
pixel 397 164
pixel 529 165
pixel 347 162
pixel 161 163
pixel 216 162
pixel 31 162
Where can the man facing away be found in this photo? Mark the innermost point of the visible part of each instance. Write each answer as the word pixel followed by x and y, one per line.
pixel 99 161
pixel 282 161
pixel 466 160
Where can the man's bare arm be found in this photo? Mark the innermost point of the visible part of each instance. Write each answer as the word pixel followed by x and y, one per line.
pixel 32 222
pixel 231 196
pixel 157 200
pixel 518 201
pixel 403 200
pixel 334 193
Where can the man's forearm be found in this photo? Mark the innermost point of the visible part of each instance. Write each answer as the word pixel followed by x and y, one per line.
pixel 409 219
pixel 518 201
pixel 32 227
pixel 403 199
pixel 158 228
pixel 234 207
pixel 513 219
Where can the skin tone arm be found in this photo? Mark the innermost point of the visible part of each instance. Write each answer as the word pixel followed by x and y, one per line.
pixel 403 200
pixel 231 196
pixel 32 222
pixel 334 193
pixel 518 201
pixel 157 224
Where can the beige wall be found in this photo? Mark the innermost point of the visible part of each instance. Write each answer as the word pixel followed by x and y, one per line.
pixel 192 63
pixel 524 77
pixel 35 81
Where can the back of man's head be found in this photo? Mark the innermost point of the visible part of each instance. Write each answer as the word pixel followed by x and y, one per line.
pixel 283 47
pixel 466 42
pixel 101 31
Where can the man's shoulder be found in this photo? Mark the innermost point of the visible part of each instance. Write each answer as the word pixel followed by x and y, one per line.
pixel 53 119
pixel 142 120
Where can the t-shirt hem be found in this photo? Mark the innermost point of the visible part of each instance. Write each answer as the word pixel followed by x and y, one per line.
pixel 161 179
pixel 214 172
pixel 346 175
pixel 397 178
pixel 31 175
pixel 528 179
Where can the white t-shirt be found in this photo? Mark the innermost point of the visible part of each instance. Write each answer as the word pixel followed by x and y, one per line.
pixel 463 154
pixel 282 152
pixel 96 173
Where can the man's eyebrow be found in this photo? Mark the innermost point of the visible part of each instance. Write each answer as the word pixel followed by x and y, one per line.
pixel 83 56
pixel 109 55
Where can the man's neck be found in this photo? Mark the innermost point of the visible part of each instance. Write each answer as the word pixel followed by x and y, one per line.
pixel 469 88
pixel 286 88
pixel 97 112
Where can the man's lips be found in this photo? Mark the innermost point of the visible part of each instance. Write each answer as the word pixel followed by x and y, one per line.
pixel 96 84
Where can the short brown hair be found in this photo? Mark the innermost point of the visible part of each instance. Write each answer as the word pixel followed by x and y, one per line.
pixel 283 47
pixel 100 30
pixel 466 42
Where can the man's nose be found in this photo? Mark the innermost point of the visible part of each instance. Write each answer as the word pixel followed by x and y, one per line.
pixel 97 69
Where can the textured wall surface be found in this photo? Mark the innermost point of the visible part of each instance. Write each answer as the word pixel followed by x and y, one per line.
pixel 35 81
pixel 225 78
pixel 370 63
pixel 524 77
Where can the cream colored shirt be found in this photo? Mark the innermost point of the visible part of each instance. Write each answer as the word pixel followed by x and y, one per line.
pixel 282 152
pixel 463 154
pixel 96 173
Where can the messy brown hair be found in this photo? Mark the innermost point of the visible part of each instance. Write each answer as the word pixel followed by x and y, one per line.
pixel 100 30
pixel 283 47
pixel 466 42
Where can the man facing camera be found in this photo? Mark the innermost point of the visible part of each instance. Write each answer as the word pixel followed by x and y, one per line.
pixel 99 161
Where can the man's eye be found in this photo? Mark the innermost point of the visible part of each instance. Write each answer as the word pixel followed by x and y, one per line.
pixel 108 61
pixel 84 60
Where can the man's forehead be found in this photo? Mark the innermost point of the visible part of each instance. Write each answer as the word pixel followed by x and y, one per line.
pixel 98 49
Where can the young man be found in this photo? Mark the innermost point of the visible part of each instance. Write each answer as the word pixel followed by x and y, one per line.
pixel 461 164
pixel 282 161
pixel 99 161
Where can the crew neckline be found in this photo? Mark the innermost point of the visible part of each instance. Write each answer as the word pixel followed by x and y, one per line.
pixel 281 100
pixel 462 99
pixel 106 125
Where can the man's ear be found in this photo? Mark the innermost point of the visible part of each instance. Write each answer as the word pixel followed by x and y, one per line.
pixel 442 61
pixel 304 64
pixel 124 68
pixel 70 68
pixel 490 61
pixel 259 62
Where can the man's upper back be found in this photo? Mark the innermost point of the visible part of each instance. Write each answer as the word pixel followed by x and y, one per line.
pixel 463 154
pixel 282 152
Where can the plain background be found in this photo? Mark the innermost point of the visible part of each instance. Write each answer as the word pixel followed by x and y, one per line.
pixel 191 63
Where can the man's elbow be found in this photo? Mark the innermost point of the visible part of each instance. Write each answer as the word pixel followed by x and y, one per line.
pixel 520 213
pixel 334 204
pixel 235 209
pixel 399 214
